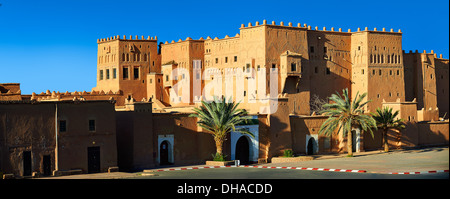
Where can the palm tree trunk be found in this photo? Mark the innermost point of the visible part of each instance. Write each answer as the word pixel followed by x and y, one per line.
pixel 219 144
pixel 349 144
pixel 385 140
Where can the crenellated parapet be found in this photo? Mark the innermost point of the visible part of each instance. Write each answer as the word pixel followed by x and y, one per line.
pixel 425 53
pixel 79 95
pixel 316 28
pixel 130 38
pixel 188 39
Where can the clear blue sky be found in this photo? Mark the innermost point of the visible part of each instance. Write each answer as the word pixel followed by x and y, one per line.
pixel 52 44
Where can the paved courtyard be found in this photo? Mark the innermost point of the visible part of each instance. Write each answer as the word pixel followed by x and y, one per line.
pixel 377 165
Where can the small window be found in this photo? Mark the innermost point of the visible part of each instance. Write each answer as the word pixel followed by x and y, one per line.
pixel 151 81
pixel 274 65
pixel 373 72
pixel 136 73
pixel 114 73
pixel 101 74
pixel 293 67
pixel 325 49
pixel 245 93
pixel 62 126
pixel 217 60
pixel 359 47
pixel 125 73
pixel 167 77
pixel 316 70
pixel 235 58
pixel 91 125
pixel 226 59
pixel 311 49
pixel 328 71
pixel 107 73
pixel 379 72
pixel 362 71
pixel 390 72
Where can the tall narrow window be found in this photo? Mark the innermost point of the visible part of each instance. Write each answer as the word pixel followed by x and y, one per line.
pixel 125 73
pixel 235 58
pixel 311 49
pixel 62 126
pixel 136 72
pixel 91 125
pixel 107 73
pixel 114 73
pixel 325 49
pixel 101 74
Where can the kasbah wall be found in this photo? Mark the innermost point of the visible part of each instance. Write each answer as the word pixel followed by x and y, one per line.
pixel 140 123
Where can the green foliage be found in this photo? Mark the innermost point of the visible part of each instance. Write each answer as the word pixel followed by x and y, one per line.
pixel 288 153
pixel 218 157
pixel 385 119
pixel 345 114
pixel 219 118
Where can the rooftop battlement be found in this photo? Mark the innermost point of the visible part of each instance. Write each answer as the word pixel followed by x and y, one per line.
pixel 305 26
pixel 425 52
pixel 187 39
pixel 124 38
pixel 56 95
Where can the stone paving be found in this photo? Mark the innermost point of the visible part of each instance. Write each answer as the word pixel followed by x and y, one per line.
pixel 413 160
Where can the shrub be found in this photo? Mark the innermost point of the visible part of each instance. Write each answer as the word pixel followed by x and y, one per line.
pixel 288 153
pixel 218 157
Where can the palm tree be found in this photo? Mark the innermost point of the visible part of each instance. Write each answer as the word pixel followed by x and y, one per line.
pixel 386 120
pixel 219 118
pixel 346 114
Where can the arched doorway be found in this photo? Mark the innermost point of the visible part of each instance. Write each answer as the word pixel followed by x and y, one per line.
pixel 243 150
pixel 311 148
pixel 164 153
